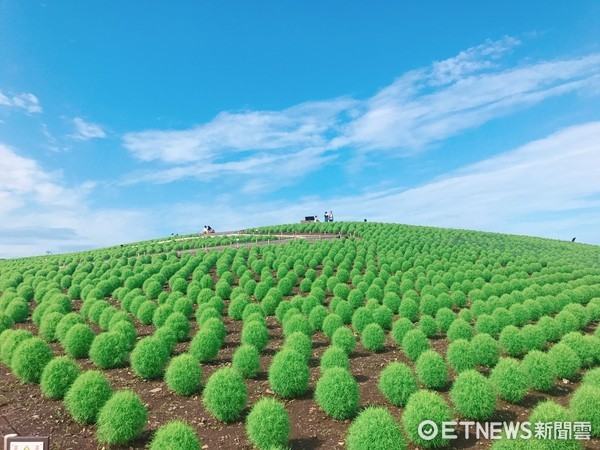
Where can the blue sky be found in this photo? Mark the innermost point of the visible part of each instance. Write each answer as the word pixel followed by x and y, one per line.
pixel 121 122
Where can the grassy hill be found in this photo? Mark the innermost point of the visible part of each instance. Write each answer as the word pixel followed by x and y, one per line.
pixel 339 325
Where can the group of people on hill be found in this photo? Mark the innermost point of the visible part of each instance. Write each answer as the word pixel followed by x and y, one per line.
pixel 208 230
pixel 328 216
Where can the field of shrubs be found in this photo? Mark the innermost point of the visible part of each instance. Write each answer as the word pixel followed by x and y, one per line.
pixel 349 341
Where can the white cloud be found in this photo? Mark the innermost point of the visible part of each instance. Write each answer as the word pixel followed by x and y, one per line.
pixel 25 100
pixel 420 108
pixel 39 213
pixel 85 131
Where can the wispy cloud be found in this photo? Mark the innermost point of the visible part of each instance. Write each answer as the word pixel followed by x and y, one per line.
pixel 39 212
pixel 418 109
pixel 24 100
pixel 85 131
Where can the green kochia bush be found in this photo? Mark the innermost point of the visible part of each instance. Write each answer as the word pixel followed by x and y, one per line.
pixel 175 435
pixel 30 359
pixel 473 395
pixel 584 405
pixel 246 360
pixel 87 395
pixel 48 326
pixel 373 337
pixel 288 374
pixel 11 342
pixel 184 375
pixel 122 418
pixel 485 349
pixel 337 393
pixel 512 341
pixel 459 329
pixel 551 412
pixel 375 429
pixel 397 383
pixel 225 394
pixel 331 323
pixel 66 322
pixel 425 405
pixel 268 424
pixel 58 376
pixel 400 328
pixel 149 358
pixel 334 357
pixel 300 343
pixel 109 350
pixel 180 324
pixel 565 360
pixel 592 377
pixel 205 346
pixel 256 334
pixel 539 368
pixel 78 340
pixel 414 343
pixel 432 370
pixel 509 381
pixel 344 339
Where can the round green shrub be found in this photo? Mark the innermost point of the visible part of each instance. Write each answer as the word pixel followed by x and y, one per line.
pixel 375 429
pixel 551 412
pixel 251 309
pixel 540 370
pixel 30 358
pixel 344 339
pixel 362 317
pixel 184 375
pixel 533 337
pixel 509 380
pixel 48 326
pixel 459 329
pixel 565 360
pixel 432 370
pixel 428 325
pixel 121 419
pixel 397 383
pixel 78 340
pixel 180 324
pixel 444 318
pixel 486 323
pixel 246 360
pixel 175 435
pixel 5 322
pixel 337 393
pixel 400 328
pixel 373 337
pixel 58 376
pixel 486 350
pixel 425 405
pixel 10 344
pixel 331 323
pixel 161 314
pixel 334 357
pixel 317 317
pixel 109 350
pixel 268 424
pixel 288 374
pixel 205 345
pixel 146 311
pixel 66 322
pixel 344 310
pixel 512 341
pixel 297 322
pixel 460 355
pixel 87 395
pixel 126 332
pixel 585 346
pixel 584 405
pixel 237 306
pixel 384 317
pixel 409 309
pixel 225 394
pixel 149 358
pixel 414 343
pixel 256 334
pixel 473 395
pixel 17 310
pixel 300 343
pixel 592 377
